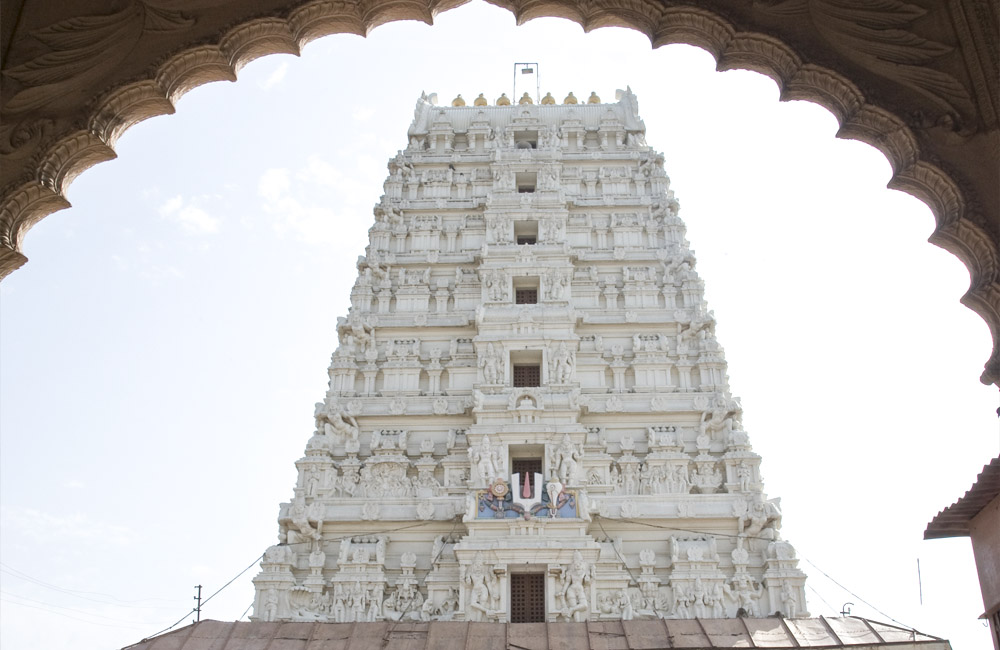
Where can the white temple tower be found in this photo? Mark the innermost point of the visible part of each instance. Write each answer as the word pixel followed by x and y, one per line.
pixel 528 416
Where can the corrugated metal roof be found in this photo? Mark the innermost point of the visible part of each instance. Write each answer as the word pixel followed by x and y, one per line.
pixel 954 520
pixel 849 632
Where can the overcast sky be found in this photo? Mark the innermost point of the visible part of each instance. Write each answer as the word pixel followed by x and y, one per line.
pixel 164 346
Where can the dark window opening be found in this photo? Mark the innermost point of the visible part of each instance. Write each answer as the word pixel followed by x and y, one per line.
pixel 527 376
pixel 526 182
pixel 525 296
pixel 527 468
pixel 527 598
pixel 527 239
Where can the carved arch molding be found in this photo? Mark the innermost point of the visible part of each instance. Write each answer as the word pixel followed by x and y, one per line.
pixel 916 79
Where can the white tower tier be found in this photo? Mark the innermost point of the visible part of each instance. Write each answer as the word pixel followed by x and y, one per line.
pixel 528 417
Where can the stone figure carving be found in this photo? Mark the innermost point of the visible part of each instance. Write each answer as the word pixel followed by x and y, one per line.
pixel 484 594
pixel 718 419
pixel 491 365
pixel 562 364
pixel 629 510
pixel 745 591
pixel 504 179
pixel 425 510
pixel 363 334
pixel 339 607
pixel 401 168
pixel 788 600
pixel 740 555
pixel 313 480
pixel 406 602
pixel 549 230
pixel 370 511
pixel 565 460
pixel 279 554
pixel 299 515
pixel 350 479
pixel 496 282
pixel 556 285
pixel 341 426
pixel 487 461
pixel 572 590
pixel 759 518
pixel 744 475
pixel 386 478
pixel 271 605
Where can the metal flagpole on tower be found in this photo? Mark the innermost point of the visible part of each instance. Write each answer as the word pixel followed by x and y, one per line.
pixel 527 68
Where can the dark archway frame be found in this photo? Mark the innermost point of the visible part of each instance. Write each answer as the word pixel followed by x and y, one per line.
pixel 917 80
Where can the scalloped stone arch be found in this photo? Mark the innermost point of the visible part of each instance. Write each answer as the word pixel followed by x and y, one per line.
pixel 962 227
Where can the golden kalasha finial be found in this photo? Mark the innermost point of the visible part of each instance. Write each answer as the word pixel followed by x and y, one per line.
pixel 503 100
pixel 480 101
pixel 571 99
pixel 593 99
pixel 548 99
pixel 525 99
pixel 458 101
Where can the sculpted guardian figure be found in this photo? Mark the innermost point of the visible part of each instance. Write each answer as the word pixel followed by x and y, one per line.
pixel 490 364
pixel 486 460
pixel 562 364
pixel 573 585
pixel 484 593
pixel 566 459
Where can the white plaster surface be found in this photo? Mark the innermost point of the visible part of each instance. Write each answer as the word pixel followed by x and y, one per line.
pixel 661 507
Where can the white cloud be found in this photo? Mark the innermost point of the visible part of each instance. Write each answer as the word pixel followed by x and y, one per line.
pixel 273 183
pixel 321 172
pixel 275 77
pixel 195 219
pixel 43 526
pixel 363 114
pixel 172 205
pixel 190 217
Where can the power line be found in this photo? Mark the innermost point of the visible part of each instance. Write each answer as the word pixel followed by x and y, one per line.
pixel 75 618
pixel 625 564
pixel 69 609
pixel 730 536
pixel 259 557
pixel 392 627
pixel 820 596
pixel 78 593
pixel 830 578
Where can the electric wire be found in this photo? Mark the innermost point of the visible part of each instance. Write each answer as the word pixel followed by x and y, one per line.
pixel 260 557
pixel 820 596
pixel 392 627
pixel 75 618
pixel 69 609
pixel 245 611
pixel 78 593
pixel 625 564
pixel 730 536
pixel 597 518
pixel 830 578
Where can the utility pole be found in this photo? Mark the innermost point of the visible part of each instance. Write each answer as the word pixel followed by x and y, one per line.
pixel 197 610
